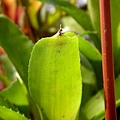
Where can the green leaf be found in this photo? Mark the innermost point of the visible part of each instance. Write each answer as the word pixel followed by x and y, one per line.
pixel 6 103
pixel 94 108
pixel 116 34
pixel 54 77
pixel 88 32
pixel 3 102
pixel 4 79
pixel 8 114
pixel 93 9
pixel 89 50
pixel 88 73
pixel 88 78
pixel 115 10
pixel 15 93
pixel 94 56
pixel 8 67
pixel 117 90
pixel 79 15
pixel 17 46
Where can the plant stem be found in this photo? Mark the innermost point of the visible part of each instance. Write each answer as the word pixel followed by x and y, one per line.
pixel 107 60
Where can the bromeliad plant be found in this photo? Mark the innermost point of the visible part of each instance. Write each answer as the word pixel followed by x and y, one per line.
pixel 48 81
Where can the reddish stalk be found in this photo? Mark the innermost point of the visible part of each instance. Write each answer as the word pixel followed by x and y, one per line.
pixel 107 60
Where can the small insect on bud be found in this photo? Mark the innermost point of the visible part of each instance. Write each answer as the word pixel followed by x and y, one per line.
pixel 60 30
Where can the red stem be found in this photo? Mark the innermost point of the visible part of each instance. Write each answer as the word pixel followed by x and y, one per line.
pixel 107 60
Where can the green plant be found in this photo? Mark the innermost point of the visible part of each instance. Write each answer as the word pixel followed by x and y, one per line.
pixel 15 100
pixel 59 87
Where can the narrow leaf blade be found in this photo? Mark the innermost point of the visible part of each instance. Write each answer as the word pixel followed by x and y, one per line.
pixel 94 108
pixel 16 44
pixel 7 114
pixel 89 50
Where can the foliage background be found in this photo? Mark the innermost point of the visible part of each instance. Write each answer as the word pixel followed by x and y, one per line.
pixel 27 21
